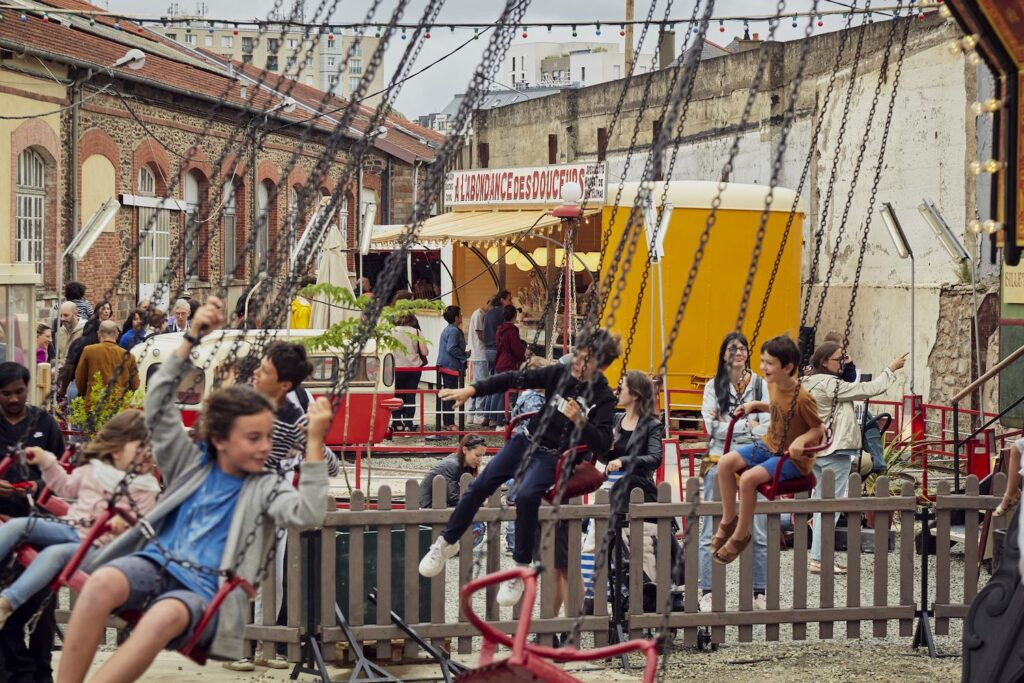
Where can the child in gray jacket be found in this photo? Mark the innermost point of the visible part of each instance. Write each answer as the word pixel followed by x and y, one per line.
pixel 212 501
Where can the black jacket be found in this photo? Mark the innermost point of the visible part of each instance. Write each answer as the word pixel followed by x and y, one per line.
pixel 642 454
pixel 596 432
pixel 452 471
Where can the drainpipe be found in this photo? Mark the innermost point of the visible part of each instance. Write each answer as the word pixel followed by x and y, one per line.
pixel 72 188
pixel 359 219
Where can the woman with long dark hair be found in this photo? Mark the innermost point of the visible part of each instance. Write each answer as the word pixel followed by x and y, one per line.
pixel 835 398
pixel 733 385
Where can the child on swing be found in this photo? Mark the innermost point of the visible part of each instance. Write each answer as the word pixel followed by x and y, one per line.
pixel 757 461
pixel 214 495
pixel 112 453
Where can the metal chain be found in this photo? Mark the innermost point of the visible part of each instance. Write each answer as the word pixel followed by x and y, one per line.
pixel 716 202
pixel 819 234
pixel 886 55
pixel 815 136
pixel 787 124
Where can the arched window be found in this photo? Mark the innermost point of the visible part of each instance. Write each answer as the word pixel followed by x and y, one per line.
pixel 263 205
pixel 343 220
pixel 30 200
pixel 195 185
pixel 229 226
pixel 147 182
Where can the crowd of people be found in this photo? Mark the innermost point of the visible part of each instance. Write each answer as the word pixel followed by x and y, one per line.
pixel 208 489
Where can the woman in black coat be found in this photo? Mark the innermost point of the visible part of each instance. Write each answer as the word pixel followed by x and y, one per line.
pixel 637 438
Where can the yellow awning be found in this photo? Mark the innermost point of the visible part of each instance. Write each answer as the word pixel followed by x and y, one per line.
pixel 479 228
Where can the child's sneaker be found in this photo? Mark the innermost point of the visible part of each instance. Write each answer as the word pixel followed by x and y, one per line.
pixel 244 664
pixel 705 602
pixel 760 602
pixel 510 593
pixel 440 552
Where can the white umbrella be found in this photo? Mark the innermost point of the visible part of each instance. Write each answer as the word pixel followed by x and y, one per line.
pixel 334 270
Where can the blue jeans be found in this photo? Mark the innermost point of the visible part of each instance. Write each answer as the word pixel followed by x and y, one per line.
pixel 838 462
pixel 481 371
pixel 494 405
pixel 760 533
pixel 537 479
pixel 56 543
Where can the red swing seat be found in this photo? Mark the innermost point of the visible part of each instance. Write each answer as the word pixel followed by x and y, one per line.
pixel 779 486
pixel 529 662
pixel 74 578
pixel 585 477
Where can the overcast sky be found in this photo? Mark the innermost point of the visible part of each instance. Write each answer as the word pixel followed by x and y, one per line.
pixel 433 89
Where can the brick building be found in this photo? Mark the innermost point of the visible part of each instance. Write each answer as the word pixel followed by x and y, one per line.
pixel 190 138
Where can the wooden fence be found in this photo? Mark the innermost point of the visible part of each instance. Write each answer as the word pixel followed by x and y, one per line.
pixel 376 553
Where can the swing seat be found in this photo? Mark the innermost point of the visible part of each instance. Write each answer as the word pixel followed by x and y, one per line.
pixel 779 486
pixel 46 500
pixel 530 662
pixel 585 477
pixel 74 578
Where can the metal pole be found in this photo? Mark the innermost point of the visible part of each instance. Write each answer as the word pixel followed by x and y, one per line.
pixel 977 334
pixel 661 340
pixel 956 446
pixel 913 293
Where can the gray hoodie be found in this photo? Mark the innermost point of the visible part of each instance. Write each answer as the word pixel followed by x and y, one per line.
pixel 183 470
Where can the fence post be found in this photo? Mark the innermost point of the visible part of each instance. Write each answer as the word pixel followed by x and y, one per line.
pixel 881 559
pixel 942 524
pixel 356 585
pixel 437 399
pixel 853 522
pixel 411 574
pixel 383 606
pixel 907 560
pixel 827 582
pixel 690 545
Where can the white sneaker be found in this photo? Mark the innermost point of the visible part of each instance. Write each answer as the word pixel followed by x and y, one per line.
pixel 760 602
pixel 440 552
pixel 705 602
pixel 510 593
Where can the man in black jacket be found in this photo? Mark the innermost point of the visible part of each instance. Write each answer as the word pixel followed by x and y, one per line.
pixel 569 383
pixel 23 425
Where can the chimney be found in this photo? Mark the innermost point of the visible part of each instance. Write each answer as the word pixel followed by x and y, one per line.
pixel 748 42
pixel 666 49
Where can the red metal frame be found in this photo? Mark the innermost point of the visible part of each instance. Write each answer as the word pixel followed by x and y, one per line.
pixel 778 486
pixel 527 658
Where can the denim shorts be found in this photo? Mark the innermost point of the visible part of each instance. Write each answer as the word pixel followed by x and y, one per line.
pixel 149 584
pixel 757 455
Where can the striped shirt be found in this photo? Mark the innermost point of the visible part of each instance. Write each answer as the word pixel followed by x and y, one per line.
pixel 83 308
pixel 587 559
pixel 289 441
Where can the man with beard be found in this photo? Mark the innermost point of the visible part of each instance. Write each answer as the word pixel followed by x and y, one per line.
pixel 23 425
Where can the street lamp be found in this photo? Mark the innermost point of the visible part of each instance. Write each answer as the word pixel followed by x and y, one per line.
pixel 903 250
pixel 957 252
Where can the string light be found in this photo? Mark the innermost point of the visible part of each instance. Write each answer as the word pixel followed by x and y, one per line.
pixel 989 166
pixel 622 29
pixel 820 21
pixel 794 21
pixel 574 34
pixel 117 24
pixel 974 226
pixel 23 17
pixel 987 107
pixel 992 227
pixel 945 12
pixel 597 30
pixel 46 18
pixel 721 26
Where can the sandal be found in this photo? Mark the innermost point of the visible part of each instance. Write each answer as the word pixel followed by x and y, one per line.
pixel 726 528
pixel 724 556
pixel 1006 504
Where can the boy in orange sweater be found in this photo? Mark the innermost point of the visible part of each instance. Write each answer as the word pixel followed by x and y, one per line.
pixel 757 461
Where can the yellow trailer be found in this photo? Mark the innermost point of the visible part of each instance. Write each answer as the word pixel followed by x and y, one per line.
pixel 714 302
pixel 489 246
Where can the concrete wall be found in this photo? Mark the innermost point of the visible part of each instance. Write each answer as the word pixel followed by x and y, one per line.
pixel 931 140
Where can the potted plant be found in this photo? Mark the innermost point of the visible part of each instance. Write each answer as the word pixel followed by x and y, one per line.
pixel 897 463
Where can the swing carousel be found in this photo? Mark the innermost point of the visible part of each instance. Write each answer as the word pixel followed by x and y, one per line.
pixel 642 218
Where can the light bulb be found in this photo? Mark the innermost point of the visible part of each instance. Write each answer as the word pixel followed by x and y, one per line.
pixel 955 47
pixel 977 108
pixel 975 167
pixel 993 166
pixel 974 226
pixel 973 58
pixel 969 42
pixel 944 12
pixel 992 227
pixel 992 104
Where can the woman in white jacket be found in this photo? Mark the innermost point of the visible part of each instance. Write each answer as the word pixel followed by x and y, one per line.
pixel 835 399
pixel 733 385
